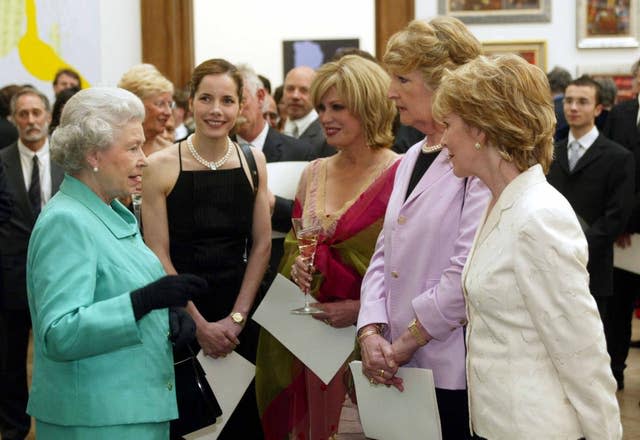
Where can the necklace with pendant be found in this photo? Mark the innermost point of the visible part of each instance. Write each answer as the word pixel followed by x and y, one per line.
pixel 430 148
pixel 213 165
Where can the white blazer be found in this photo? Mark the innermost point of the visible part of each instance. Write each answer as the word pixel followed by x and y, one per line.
pixel 537 364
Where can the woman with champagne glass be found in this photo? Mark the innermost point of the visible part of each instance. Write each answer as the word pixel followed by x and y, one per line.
pixel 346 195
pixel 201 209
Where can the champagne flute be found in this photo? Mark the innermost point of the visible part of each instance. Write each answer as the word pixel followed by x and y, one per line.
pixel 307 235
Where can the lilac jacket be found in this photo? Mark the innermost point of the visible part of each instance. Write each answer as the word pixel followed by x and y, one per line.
pixel 417 265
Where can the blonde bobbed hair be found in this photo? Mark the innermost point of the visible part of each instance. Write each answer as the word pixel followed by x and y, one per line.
pixel 507 99
pixel 431 47
pixel 362 85
pixel 145 80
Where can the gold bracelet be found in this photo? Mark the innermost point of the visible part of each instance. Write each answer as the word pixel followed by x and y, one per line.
pixel 368 332
pixel 415 332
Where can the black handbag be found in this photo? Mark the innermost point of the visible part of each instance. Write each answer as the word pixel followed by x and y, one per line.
pixel 197 405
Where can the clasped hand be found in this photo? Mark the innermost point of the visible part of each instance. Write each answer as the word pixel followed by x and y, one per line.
pixel 218 339
pixel 381 359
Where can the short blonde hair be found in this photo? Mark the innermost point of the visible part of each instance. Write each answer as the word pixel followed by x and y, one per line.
pixel 363 86
pixel 430 47
pixel 506 98
pixel 144 80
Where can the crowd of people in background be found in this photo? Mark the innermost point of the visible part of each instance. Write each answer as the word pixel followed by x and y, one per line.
pixel 468 209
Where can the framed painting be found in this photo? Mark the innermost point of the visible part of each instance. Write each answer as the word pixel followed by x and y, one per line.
pixel 534 51
pixel 497 11
pixel 312 53
pixel 607 23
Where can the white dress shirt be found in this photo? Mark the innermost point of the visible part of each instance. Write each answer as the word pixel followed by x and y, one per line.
pixel 259 141
pixel 300 124
pixel 26 160
pixel 585 141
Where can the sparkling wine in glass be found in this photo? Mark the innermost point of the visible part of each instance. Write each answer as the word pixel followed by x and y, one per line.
pixel 307 235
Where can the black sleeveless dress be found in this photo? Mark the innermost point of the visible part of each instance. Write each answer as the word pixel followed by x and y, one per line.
pixel 210 216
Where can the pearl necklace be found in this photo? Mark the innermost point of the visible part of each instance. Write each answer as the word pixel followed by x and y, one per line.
pixel 430 149
pixel 214 165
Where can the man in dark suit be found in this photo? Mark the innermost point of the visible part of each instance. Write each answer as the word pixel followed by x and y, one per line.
pixel 596 175
pixel 31 181
pixel 302 119
pixel 253 129
pixel 623 126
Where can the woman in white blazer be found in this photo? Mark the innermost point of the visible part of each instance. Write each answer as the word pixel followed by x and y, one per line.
pixel 537 365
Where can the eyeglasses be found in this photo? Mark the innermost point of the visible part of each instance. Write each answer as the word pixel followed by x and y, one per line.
pixel 162 104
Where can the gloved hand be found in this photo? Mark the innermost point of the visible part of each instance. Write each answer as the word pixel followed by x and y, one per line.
pixel 182 329
pixel 168 291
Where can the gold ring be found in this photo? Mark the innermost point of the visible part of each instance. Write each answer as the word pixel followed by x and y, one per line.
pixel 382 373
pixel 326 321
pixel 371 381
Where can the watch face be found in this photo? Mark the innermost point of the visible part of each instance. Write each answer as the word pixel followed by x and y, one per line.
pixel 237 317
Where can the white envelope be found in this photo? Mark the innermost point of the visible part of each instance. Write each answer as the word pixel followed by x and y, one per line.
pixel 629 257
pixel 283 181
pixel 228 378
pixel 323 349
pixel 388 414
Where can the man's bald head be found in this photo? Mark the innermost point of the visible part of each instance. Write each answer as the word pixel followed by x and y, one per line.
pixel 297 85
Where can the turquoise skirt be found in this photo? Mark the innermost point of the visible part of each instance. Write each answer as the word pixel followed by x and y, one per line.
pixel 138 431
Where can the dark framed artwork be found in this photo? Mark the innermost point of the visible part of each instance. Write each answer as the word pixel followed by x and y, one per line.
pixel 497 11
pixel 313 53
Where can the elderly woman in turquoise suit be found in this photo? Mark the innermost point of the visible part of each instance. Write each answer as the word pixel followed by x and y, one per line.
pixel 98 296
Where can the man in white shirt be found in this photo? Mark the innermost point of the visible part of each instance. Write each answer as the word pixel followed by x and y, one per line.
pixel 31 181
pixel 597 177
pixel 302 121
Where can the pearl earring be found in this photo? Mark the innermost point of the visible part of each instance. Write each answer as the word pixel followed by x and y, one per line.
pixel 477 146
pixel 95 169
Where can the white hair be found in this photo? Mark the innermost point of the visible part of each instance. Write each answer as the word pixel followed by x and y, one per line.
pixel 90 120
pixel 250 78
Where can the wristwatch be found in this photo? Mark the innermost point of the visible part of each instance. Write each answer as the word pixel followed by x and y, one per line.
pixel 237 318
pixel 415 332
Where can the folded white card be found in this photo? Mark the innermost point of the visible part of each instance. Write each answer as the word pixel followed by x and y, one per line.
pixel 629 257
pixel 323 349
pixel 228 378
pixel 283 178
pixel 388 414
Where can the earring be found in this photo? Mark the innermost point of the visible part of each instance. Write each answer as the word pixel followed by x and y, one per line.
pixel 95 169
pixel 477 146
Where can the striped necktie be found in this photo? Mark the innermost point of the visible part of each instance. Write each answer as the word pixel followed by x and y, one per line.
pixel 574 154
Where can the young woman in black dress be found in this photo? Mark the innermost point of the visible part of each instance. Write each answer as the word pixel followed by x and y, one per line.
pixel 202 215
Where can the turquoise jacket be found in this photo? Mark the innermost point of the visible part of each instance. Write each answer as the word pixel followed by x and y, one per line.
pixel 94 364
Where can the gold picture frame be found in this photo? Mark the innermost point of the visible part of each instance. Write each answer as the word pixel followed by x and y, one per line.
pixel 534 51
pixel 497 11
pixel 603 24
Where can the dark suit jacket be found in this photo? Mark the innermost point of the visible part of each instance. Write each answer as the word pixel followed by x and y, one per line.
pixel 600 190
pixel 15 233
pixel 316 144
pixel 8 133
pixel 621 127
pixel 279 147
pixel 6 202
pixel 562 128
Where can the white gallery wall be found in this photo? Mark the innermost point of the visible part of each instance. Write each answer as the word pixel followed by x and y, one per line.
pixel 252 31
pixel 120 39
pixel 560 34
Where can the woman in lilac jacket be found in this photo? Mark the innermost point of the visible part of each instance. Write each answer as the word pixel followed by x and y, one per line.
pixel 412 309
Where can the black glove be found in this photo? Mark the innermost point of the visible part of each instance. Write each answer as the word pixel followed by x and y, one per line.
pixel 182 329
pixel 168 291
